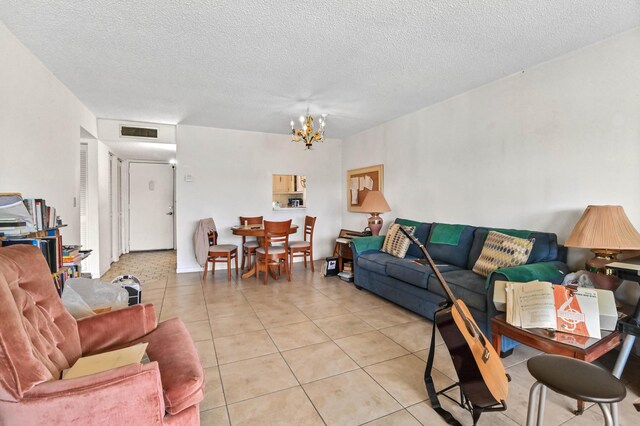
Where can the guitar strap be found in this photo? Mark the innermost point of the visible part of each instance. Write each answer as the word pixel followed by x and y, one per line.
pixel 431 389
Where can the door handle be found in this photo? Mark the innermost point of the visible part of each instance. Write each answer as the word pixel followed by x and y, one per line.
pixel 170 214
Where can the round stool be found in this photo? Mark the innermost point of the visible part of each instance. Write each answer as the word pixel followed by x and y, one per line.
pixel 576 379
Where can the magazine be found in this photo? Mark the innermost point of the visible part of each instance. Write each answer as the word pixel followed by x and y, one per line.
pixel 544 305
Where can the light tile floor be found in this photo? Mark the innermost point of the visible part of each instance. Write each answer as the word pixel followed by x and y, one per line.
pixel 318 351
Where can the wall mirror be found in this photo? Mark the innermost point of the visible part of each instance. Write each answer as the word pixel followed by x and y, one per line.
pixel 289 192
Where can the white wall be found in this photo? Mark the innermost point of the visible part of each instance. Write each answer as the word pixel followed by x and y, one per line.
pixel 231 173
pixel 104 204
pixel 98 229
pixel 40 121
pixel 115 193
pixel 529 151
pixel 124 192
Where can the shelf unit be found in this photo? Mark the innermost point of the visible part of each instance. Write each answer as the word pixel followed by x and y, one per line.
pixel 62 272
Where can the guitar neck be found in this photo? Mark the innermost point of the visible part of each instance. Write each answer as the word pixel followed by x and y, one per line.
pixel 436 271
pixel 443 282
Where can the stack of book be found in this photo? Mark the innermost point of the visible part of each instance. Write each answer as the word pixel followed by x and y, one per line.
pixel 49 246
pixel 11 227
pixel 43 216
pixel 60 277
pixel 14 217
pixel 347 272
pixel 71 255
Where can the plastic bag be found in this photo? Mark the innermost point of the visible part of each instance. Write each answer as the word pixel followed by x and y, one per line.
pixel 99 296
pixel 579 278
pixel 76 306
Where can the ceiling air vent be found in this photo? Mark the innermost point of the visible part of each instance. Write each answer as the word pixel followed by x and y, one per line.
pixel 138 132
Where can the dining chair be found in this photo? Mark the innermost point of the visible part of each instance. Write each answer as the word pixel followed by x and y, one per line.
pixel 220 253
pixel 275 251
pixel 249 246
pixel 303 248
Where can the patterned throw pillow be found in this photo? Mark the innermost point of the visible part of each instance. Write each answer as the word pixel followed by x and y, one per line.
pixel 502 251
pixel 396 243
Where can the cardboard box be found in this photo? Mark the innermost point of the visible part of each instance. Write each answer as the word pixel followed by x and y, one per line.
pixel 500 296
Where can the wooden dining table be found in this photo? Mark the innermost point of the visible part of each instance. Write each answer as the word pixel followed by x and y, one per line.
pixel 255 231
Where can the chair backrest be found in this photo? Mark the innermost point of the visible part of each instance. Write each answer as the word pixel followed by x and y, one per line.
pixel 254 220
pixel 213 238
pixel 277 233
pixel 309 224
pixel 246 220
pixel 38 337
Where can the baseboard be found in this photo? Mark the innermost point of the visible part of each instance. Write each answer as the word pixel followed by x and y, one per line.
pixel 220 266
pixel 187 270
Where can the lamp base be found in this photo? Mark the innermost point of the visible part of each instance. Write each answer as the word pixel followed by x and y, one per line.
pixel 602 276
pixel 598 263
pixel 375 223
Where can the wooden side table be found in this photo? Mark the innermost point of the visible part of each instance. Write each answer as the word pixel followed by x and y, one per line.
pixel 555 342
pixel 342 249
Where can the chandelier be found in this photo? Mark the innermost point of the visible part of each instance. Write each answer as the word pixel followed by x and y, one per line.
pixel 307 134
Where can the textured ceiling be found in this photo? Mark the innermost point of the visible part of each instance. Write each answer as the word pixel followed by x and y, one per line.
pixel 254 65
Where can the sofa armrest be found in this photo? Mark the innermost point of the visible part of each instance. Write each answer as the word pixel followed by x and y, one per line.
pixel 553 272
pixel 543 271
pixel 361 244
pixel 116 328
pixel 131 394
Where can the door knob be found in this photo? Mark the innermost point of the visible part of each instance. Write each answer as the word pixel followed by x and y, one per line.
pixel 170 214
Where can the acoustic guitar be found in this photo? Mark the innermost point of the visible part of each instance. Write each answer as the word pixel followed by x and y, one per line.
pixel 481 375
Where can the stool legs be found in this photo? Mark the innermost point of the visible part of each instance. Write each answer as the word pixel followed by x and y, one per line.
pixel 536 401
pixel 537 398
pixel 614 413
pixel 608 420
pixel 541 403
pixel 538 395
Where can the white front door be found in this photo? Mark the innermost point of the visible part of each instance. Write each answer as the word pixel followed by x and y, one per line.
pixel 151 206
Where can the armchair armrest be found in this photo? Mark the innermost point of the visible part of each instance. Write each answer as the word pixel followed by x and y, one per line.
pixel 131 394
pixel 361 244
pixel 116 327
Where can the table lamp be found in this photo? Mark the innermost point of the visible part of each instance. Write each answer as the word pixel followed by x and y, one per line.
pixel 606 231
pixel 374 203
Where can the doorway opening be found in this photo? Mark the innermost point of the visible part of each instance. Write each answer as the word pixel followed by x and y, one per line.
pixel 151 206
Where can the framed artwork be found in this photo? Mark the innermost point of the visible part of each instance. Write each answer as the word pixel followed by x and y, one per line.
pixel 360 182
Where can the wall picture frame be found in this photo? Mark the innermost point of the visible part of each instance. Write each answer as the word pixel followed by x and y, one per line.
pixel 360 182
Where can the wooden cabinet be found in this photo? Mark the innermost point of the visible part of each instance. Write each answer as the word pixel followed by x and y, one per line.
pixel 288 191
pixel 342 248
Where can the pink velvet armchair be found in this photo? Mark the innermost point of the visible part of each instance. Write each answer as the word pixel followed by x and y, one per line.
pixel 39 339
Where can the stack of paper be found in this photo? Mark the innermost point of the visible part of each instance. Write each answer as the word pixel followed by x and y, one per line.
pixel 106 361
pixel 544 305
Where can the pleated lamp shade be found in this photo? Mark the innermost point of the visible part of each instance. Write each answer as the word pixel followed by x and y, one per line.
pixel 604 228
pixel 374 202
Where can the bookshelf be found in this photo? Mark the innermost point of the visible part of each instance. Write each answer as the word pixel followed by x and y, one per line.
pixel 64 261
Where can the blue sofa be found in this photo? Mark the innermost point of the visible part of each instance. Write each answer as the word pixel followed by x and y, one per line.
pixel 415 286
